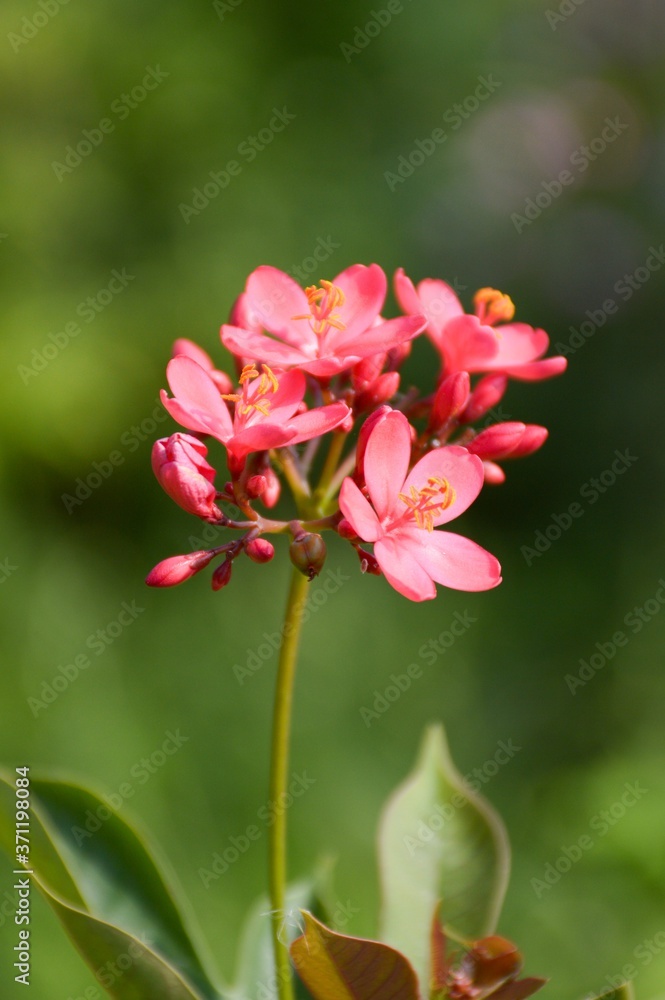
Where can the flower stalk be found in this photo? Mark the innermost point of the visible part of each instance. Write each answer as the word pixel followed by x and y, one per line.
pixel 279 770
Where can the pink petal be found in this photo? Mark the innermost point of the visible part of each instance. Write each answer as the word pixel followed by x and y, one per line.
pixel 189 490
pixel 259 437
pixel 248 344
pixel 439 302
pixel 285 401
pixel 378 339
pixel 193 351
pixel 386 464
pixel 466 344
pixel 455 561
pixel 406 294
pixel 519 343
pixel 327 367
pixel 274 298
pixel 318 421
pixel 463 471
pixel 403 570
pixel 535 371
pixel 358 511
pixel 197 396
pixel 364 293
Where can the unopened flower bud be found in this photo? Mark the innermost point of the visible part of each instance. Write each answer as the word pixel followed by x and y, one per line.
pixel 255 486
pixel 182 471
pixel 381 389
pixel 346 530
pixel 176 569
pixel 260 550
pixel 534 437
pixel 494 474
pixel 308 554
pixel 272 490
pixel 450 398
pixel 222 575
pixel 367 371
pixel 498 441
pixel 487 393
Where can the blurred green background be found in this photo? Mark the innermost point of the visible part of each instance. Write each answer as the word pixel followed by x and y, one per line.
pixel 71 401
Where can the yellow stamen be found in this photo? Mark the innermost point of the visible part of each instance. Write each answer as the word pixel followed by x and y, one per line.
pixel 493 306
pixel 322 303
pixel 432 499
pixel 267 383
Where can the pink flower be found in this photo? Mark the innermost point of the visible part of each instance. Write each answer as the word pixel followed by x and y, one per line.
pixel 181 468
pixel 486 341
pixel 322 330
pixel 404 507
pixel 266 412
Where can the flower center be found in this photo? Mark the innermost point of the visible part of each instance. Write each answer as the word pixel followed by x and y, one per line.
pixel 432 499
pixel 322 303
pixel 267 383
pixel 493 306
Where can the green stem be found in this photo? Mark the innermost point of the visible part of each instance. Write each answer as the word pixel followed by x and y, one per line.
pixel 331 462
pixel 279 767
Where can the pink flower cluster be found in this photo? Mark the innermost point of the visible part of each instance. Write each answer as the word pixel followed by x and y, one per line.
pixel 313 367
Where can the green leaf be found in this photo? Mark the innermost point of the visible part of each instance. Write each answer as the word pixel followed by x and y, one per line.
pixel 91 863
pixel 125 966
pixel 439 842
pixel 339 967
pixel 256 967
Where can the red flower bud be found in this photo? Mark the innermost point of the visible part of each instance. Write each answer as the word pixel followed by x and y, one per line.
pixel 308 554
pixel 487 393
pixel 260 550
pixel 176 569
pixel 222 575
pixel 182 471
pixel 346 530
pixel 272 490
pixel 449 399
pixel 255 486
pixel 498 441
